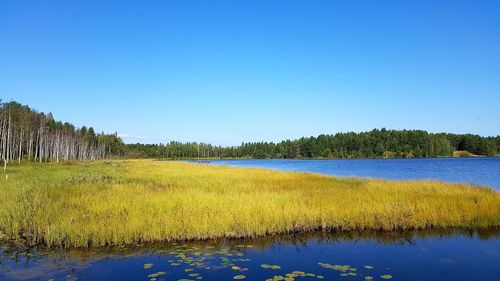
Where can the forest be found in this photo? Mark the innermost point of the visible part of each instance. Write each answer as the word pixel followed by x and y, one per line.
pixel 377 143
pixel 26 134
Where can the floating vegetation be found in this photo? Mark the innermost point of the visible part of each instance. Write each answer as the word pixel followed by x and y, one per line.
pixel 341 268
pixel 268 266
pixel 294 274
pixel 157 274
pixel 148 266
pixel 192 259
pixel 347 270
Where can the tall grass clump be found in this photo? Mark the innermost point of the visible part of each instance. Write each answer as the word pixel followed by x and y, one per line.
pixel 104 203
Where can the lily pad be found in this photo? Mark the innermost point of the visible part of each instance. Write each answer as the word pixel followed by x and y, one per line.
pixel 386 276
pixel 239 277
pixel 275 267
pixel 147 265
pixel 368 267
pixel 268 266
pixel 157 274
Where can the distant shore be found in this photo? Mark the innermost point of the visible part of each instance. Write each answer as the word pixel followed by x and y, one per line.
pixel 87 204
pixel 324 158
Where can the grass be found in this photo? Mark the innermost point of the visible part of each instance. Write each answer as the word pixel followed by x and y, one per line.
pixel 119 202
pixel 462 153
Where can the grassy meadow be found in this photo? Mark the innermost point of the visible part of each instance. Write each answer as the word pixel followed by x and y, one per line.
pixel 116 202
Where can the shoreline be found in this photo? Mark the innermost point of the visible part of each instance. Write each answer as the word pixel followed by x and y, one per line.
pixel 335 234
pixel 313 159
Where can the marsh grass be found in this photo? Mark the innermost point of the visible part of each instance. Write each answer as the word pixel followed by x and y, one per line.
pixel 119 202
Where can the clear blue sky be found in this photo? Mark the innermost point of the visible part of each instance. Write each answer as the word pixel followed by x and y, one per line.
pixel 231 71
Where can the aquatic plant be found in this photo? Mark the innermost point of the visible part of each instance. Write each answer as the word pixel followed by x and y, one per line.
pixel 267 266
pixel 157 274
pixel 294 274
pixel 139 201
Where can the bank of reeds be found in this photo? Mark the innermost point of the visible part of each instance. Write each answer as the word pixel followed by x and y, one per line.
pixel 102 203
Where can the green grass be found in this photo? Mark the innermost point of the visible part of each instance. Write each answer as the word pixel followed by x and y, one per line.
pixel 116 202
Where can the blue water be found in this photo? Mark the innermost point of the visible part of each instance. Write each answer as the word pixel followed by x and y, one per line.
pixel 424 256
pixel 480 171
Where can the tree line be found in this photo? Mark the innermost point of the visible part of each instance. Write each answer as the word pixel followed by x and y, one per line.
pixel 26 134
pixel 32 136
pixel 377 143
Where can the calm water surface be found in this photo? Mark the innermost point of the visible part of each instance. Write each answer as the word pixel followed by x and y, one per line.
pixel 315 257
pixel 481 171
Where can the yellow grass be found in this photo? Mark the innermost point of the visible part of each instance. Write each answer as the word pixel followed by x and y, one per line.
pixel 103 203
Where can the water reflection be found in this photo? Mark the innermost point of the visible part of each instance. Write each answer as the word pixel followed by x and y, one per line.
pixel 357 255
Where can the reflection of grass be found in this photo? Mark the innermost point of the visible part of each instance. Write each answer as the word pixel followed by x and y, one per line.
pixel 129 201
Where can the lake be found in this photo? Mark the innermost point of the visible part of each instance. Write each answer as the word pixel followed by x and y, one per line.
pixel 424 255
pixel 479 170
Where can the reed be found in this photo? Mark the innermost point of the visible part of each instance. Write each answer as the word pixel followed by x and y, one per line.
pixel 117 202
